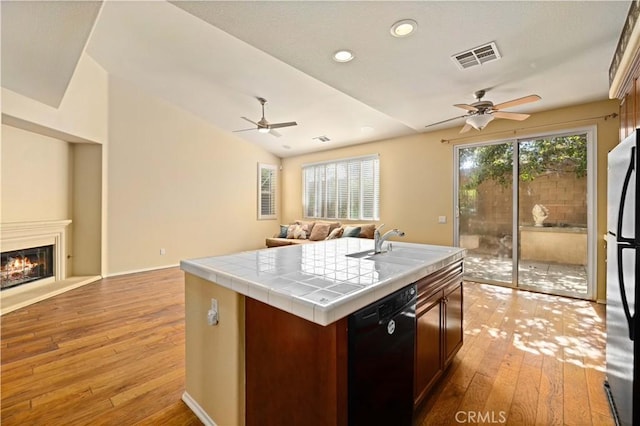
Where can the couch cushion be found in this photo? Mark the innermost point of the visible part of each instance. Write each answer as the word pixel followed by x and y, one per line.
pixel 366 229
pixel 336 233
pixel 298 232
pixel 283 231
pixel 320 231
pixel 278 242
pixel 307 224
pixel 351 231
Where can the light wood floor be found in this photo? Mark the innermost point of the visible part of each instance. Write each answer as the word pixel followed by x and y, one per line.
pixel 112 353
pixel 108 353
pixel 527 359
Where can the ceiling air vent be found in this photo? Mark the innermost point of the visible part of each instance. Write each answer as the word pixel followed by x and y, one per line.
pixel 477 56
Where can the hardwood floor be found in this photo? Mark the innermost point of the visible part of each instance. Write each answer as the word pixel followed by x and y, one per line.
pixel 527 359
pixel 112 353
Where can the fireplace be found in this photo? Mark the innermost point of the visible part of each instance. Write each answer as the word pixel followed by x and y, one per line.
pixel 26 265
pixel 33 253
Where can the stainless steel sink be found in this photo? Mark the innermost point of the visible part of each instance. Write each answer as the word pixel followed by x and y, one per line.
pixel 361 254
pixel 396 257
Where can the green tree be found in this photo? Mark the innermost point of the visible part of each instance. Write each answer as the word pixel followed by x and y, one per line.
pixel 562 154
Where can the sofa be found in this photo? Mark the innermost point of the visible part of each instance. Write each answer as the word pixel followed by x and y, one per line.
pixel 304 232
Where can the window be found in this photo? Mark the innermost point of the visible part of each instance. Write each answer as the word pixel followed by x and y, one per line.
pixel 342 189
pixel 267 184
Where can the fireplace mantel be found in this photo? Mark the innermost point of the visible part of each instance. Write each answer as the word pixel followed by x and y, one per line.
pixel 20 235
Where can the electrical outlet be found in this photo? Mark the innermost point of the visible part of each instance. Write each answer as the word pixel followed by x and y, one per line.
pixel 162 252
pixel 442 219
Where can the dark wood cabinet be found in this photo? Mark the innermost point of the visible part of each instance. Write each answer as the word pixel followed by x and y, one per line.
pixel 624 73
pixel 452 304
pixel 296 370
pixel 439 333
pixel 428 365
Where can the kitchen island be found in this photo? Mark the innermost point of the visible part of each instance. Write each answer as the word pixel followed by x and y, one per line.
pixel 278 354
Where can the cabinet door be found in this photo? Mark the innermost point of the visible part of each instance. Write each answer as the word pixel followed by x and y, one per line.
pixel 428 364
pixel 452 320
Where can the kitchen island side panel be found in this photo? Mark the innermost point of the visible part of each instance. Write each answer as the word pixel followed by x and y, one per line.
pixel 296 370
pixel 215 373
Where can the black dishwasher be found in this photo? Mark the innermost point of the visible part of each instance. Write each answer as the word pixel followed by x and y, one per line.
pixel 381 357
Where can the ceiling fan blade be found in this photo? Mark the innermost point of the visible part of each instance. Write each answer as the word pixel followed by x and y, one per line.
pixel 250 121
pixel 274 133
pixel 466 106
pixel 510 115
pixel 445 121
pixel 279 125
pixel 516 102
pixel 466 128
pixel 244 130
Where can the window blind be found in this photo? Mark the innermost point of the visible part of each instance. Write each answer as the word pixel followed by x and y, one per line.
pixel 342 189
pixel 267 185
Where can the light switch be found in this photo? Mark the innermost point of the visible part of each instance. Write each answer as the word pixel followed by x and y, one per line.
pixel 442 219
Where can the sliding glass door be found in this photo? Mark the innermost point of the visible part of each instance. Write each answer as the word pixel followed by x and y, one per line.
pixel 485 210
pixel 552 222
pixel 522 213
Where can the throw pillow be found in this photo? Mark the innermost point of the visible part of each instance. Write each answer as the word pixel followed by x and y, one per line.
pixel 351 231
pixel 366 229
pixel 283 231
pixel 297 232
pixel 309 225
pixel 336 233
pixel 290 230
pixel 320 231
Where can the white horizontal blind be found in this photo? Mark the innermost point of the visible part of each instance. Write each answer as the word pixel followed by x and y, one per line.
pixel 267 185
pixel 344 189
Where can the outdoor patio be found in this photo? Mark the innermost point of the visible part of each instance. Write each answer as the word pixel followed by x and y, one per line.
pixel 569 280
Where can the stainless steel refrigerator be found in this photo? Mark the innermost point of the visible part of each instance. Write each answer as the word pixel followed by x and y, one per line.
pixel 623 263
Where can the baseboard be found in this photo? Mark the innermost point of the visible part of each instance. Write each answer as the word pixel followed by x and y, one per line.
pixel 136 271
pixel 197 410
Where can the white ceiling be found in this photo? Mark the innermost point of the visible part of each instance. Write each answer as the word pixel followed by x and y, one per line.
pixel 214 58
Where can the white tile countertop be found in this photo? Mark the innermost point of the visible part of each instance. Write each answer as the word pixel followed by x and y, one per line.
pixel 320 281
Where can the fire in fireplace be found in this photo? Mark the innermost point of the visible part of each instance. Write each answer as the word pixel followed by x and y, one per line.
pixel 22 266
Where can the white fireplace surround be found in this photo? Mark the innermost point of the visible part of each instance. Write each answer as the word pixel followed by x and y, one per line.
pixel 23 235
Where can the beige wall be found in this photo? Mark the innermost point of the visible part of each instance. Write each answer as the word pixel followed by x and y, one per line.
pixel 417 172
pixel 82 113
pixel 44 178
pixel 219 391
pixel 36 177
pixel 87 209
pixel 175 182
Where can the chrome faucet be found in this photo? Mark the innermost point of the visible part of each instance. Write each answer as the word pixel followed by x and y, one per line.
pixel 378 240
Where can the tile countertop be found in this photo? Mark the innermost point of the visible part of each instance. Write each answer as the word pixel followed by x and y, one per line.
pixel 319 281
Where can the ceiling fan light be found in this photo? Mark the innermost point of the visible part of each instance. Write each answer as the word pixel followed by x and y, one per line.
pixel 263 130
pixel 479 121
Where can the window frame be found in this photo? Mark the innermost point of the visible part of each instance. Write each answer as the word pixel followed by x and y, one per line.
pixel 272 192
pixel 354 195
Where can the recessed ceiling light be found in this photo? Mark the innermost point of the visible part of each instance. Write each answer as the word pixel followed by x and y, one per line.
pixel 286 146
pixel 403 28
pixel 343 56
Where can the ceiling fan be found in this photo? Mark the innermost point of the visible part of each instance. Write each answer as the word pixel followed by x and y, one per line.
pixel 263 126
pixel 482 112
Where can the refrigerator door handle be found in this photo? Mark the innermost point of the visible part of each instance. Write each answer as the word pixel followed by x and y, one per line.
pixel 623 293
pixel 623 198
